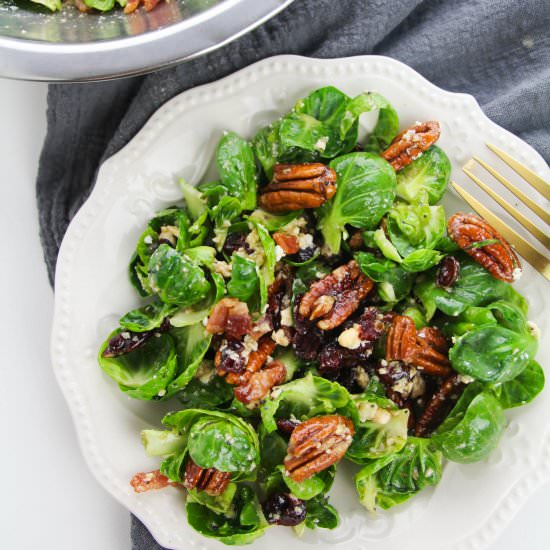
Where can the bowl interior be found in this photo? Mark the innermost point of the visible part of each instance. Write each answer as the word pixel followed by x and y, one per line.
pixel 28 21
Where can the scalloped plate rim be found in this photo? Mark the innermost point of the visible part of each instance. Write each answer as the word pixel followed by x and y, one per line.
pixel 101 191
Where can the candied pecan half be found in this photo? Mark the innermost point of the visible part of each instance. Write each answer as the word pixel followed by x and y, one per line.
pixel 297 186
pixel 439 405
pixel 316 444
pixel 260 383
pixel 426 349
pixel 401 340
pixel 230 317
pixel 432 352
pixel 256 360
pixel 289 243
pixel 211 481
pixel 335 297
pixel 497 256
pixel 411 143
pixel 148 481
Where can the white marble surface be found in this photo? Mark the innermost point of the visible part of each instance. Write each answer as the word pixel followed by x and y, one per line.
pixel 49 500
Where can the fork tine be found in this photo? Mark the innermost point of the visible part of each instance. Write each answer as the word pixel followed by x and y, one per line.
pixel 542 186
pixel 529 225
pixel 530 203
pixel 525 249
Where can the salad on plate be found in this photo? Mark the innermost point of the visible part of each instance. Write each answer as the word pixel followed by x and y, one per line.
pixel 314 304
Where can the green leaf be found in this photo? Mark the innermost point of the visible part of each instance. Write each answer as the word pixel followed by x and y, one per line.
pixel 147 317
pixel 366 190
pixel 193 198
pixel 393 479
pixel 421 260
pixel 274 222
pixel 473 427
pixel 244 525
pixel 492 353
pixel 227 210
pixel 244 278
pixel 162 442
pixel 175 278
pixel 425 179
pixel 523 388
pixel 219 504
pixel 145 372
pixel 304 398
pixel 237 169
pixel 206 390
pixel 321 514
pixel 475 287
pixel 192 343
pixel 382 428
pixel 101 5
pixel 310 488
pixel 53 5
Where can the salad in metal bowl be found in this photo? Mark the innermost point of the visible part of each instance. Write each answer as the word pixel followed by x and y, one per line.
pixel 314 304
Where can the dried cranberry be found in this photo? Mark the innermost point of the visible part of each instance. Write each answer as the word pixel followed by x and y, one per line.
pixel 232 358
pixel 331 359
pixel 234 242
pixel 374 324
pixel 284 509
pixel 308 339
pixel 303 255
pixel 125 342
pixel 353 379
pixel 285 425
pixel 448 272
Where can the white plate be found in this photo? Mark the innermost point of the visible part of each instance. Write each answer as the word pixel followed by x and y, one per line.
pixel 472 504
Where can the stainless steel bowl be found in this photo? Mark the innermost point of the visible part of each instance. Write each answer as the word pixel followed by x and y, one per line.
pixel 70 46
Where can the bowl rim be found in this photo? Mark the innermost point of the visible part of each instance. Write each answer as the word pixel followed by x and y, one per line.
pixel 197 35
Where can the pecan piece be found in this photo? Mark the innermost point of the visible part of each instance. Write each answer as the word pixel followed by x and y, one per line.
pixel 316 444
pixel 439 405
pixel 411 143
pixel 289 243
pixel 256 360
pixel 297 186
pixel 229 316
pixel 401 340
pixel 260 383
pixel 426 349
pixel 497 256
pixel 148 481
pixel 211 481
pixel 432 352
pixel 133 5
pixel 335 297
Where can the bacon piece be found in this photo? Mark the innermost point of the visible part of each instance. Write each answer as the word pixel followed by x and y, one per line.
pixel 148 481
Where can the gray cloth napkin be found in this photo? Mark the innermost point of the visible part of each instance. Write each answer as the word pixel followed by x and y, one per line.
pixel 497 50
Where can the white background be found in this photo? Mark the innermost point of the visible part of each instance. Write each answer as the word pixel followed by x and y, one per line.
pixel 48 499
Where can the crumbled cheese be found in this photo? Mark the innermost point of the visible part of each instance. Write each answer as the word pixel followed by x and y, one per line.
pixel 321 144
pixel 250 345
pixel 342 429
pixel 516 274
pixel 533 329
pixel 275 392
pixel 125 335
pixel 295 226
pixel 429 472
pixel 148 239
pixel 465 379
pixel 279 337
pixel 361 377
pixel 286 317
pixel 366 410
pixel 350 338
pixel 205 372
pixel 222 268
pixel 169 233
pixel 161 393
pixel 279 253
pixel 403 386
pixel 305 240
pixel 418 386
pixel 381 416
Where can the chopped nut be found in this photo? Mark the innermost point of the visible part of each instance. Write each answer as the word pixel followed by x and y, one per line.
pixel 289 243
pixel 229 316
pixel 350 338
pixel 260 383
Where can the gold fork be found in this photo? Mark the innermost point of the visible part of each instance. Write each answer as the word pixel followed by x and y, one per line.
pixel 536 258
